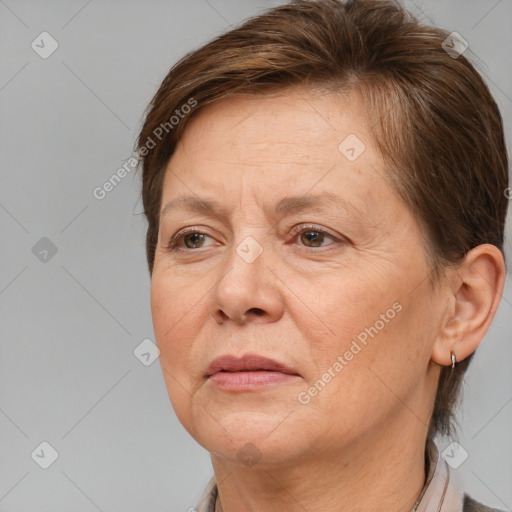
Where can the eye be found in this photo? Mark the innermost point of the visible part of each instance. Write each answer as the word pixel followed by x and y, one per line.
pixel 312 237
pixel 192 237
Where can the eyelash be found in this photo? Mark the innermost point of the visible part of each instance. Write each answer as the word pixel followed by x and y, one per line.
pixel 178 237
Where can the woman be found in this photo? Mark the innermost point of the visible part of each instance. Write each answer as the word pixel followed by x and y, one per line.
pixel 325 195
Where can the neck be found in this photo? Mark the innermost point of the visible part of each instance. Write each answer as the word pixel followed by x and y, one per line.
pixel 377 472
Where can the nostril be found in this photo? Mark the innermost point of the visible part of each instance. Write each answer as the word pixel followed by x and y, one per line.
pixel 257 311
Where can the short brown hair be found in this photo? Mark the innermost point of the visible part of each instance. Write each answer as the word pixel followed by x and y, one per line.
pixel 436 123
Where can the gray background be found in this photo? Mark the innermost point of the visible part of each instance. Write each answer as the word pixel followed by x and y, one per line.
pixel 69 325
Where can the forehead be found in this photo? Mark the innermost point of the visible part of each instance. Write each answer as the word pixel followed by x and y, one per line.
pixel 266 147
pixel 298 122
pixel 257 158
pixel 298 128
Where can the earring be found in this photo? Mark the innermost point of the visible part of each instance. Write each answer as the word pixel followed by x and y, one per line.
pixel 454 360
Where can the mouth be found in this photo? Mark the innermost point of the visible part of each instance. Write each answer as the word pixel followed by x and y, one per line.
pixel 249 372
pixel 248 363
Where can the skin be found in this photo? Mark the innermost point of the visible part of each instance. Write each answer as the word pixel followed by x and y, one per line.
pixel 303 303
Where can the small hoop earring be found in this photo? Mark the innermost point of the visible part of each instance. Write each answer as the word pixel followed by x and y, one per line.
pixel 454 360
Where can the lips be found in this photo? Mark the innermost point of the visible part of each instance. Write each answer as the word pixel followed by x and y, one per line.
pixel 247 363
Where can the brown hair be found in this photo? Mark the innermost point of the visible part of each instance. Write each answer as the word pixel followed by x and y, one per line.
pixel 435 121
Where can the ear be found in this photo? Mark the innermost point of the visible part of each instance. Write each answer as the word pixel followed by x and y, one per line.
pixel 476 288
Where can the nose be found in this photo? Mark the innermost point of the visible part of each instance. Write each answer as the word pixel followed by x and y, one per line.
pixel 247 289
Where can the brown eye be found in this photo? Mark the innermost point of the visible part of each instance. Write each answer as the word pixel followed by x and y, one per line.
pixel 186 239
pixel 312 238
pixel 195 240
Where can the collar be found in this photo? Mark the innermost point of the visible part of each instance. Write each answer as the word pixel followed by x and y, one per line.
pixel 438 495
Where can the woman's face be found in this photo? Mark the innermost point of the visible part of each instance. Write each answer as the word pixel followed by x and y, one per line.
pixel 333 284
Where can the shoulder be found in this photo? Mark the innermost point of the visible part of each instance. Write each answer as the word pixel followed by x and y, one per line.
pixel 470 505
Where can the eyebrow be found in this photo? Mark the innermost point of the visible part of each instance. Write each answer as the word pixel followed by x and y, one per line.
pixel 324 201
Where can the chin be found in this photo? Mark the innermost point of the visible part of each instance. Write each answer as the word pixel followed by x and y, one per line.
pixel 244 436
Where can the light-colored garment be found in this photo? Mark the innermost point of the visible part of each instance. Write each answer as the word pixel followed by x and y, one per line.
pixel 438 495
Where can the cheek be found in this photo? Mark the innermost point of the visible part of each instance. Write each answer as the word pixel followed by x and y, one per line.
pixel 350 307
pixel 173 324
pixel 172 310
pixel 172 298
pixel 162 308
pixel 383 336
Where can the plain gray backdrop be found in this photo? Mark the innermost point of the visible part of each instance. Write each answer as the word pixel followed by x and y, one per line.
pixel 74 285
